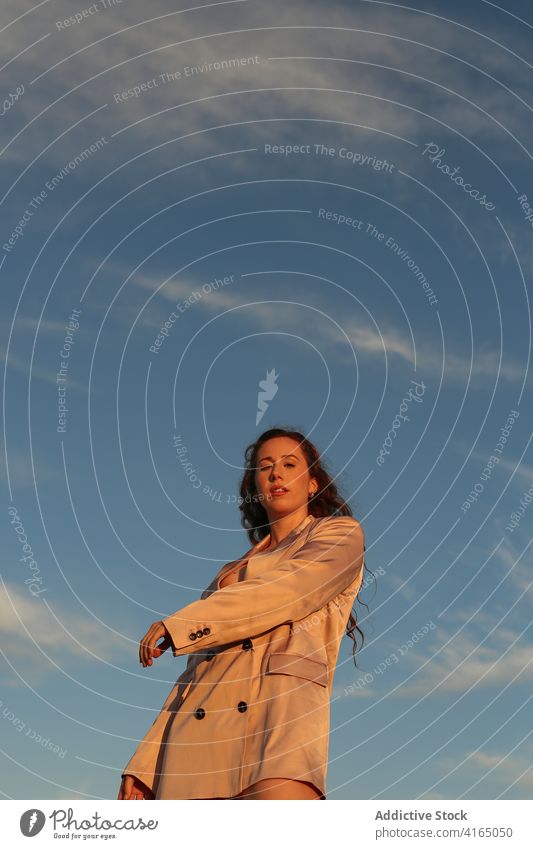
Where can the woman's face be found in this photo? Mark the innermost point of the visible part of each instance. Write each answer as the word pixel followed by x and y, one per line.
pixel 281 463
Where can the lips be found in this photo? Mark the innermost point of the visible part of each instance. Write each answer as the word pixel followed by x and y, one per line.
pixel 276 491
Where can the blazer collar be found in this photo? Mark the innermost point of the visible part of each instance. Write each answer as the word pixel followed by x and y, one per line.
pixel 265 542
pixel 260 547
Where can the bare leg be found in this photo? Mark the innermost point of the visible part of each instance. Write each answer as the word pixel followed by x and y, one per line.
pixel 279 788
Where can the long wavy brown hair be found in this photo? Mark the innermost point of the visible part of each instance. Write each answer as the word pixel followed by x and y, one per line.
pixel 326 501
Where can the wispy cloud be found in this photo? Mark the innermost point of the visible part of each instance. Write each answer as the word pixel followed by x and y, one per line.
pixel 367 341
pixel 498 766
pixel 37 371
pixel 517 560
pixel 20 469
pixel 465 663
pixel 485 653
pixel 507 767
pixel 522 472
pixel 27 625
pixel 404 587
pixel 401 59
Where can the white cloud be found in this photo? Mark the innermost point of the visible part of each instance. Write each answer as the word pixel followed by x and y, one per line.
pixel 474 649
pixel 278 29
pixel 466 663
pixel 523 474
pixel 30 632
pixel 517 560
pixel 507 769
pixel 37 371
pixel 20 469
pixel 404 587
pixel 367 341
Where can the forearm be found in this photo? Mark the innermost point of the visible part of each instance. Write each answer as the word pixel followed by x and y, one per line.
pixel 298 586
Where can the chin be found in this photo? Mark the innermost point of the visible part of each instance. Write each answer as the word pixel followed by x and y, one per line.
pixel 276 508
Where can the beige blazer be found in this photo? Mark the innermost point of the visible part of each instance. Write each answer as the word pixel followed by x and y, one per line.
pixel 253 701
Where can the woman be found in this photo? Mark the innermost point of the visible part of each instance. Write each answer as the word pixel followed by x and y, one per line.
pixel 249 717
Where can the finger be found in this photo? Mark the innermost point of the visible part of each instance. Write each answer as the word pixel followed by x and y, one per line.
pixel 153 650
pixel 148 643
pixel 162 647
pixel 148 647
pixel 147 653
pixel 142 647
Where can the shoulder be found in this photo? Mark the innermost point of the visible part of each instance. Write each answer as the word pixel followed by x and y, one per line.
pixel 337 526
pixel 341 522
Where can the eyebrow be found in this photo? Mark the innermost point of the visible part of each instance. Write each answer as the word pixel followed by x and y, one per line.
pixel 283 455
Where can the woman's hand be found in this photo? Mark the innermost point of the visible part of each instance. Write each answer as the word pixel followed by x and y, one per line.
pixel 147 648
pixel 132 788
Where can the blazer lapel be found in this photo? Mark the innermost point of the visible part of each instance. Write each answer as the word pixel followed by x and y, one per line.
pixel 237 564
pixel 262 559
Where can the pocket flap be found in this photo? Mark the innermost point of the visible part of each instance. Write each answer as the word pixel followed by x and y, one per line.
pixel 299 665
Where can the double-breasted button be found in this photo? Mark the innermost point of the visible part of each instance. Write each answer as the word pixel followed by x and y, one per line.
pixel 206 631
pixel 192 636
pixel 242 706
pixel 210 654
pixel 199 633
pixel 199 713
pixel 247 644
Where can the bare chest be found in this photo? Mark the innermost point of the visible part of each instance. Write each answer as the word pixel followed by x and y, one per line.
pixel 232 577
pixel 235 573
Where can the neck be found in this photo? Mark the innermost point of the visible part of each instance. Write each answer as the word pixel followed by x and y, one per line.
pixel 280 527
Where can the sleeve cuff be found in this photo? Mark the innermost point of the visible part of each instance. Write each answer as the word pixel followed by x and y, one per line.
pixel 189 636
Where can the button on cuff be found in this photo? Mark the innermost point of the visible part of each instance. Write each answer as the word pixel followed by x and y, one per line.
pixel 189 637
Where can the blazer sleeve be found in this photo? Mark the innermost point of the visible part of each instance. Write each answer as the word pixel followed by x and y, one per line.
pixel 328 562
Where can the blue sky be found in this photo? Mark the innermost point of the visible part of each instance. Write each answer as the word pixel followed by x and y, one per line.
pixel 343 200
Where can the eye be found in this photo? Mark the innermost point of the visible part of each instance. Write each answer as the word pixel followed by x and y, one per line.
pixel 264 468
